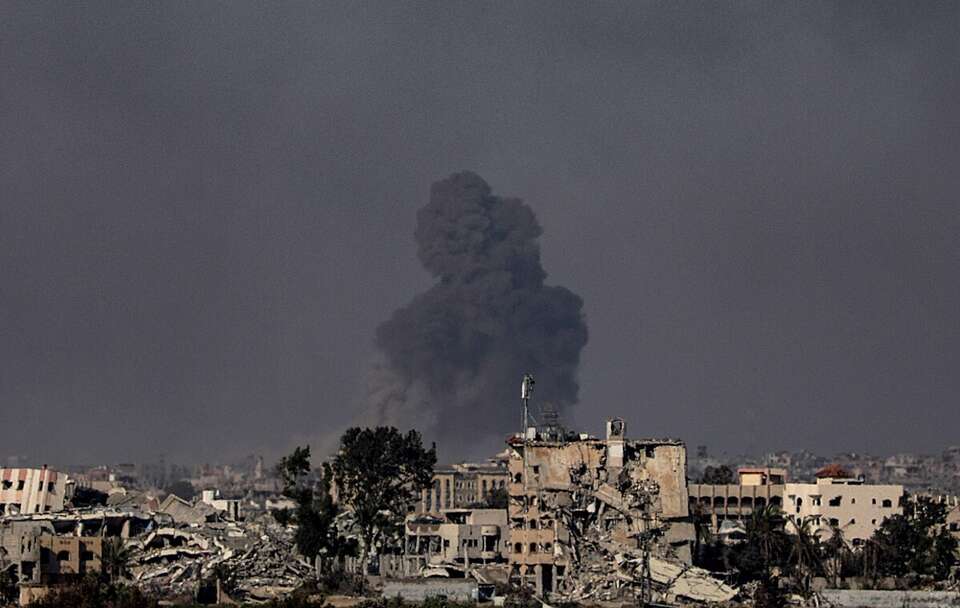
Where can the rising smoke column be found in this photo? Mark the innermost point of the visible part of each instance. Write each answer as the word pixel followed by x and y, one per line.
pixel 453 358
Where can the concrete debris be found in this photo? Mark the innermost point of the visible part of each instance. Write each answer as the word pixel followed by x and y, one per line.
pixel 604 520
pixel 255 560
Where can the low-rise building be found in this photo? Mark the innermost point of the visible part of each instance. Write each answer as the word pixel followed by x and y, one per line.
pixel 757 488
pixel 837 500
pixel 458 537
pixel 229 506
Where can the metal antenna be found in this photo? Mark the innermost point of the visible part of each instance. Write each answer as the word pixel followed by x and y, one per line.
pixel 526 391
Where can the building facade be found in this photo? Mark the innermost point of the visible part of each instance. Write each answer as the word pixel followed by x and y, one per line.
pixel 461 538
pixel 560 481
pixel 857 509
pixel 463 485
pixel 719 503
pixel 29 491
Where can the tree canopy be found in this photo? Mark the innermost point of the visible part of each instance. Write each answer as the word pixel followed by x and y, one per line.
pixel 379 473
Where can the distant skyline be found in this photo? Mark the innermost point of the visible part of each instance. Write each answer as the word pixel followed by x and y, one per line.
pixel 206 210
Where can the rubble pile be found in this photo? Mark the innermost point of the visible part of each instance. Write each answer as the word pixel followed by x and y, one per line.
pixel 618 549
pixel 254 561
pixel 605 521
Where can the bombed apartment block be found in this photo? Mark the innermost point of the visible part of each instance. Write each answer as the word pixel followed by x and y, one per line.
pixel 452 543
pixel 582 507
pixel 30 491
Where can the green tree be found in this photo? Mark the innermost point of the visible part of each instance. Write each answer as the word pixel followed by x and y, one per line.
pixel 915 542
pixel 836 551
pixel 89 592
pixel 379 473
pixel 316 512
pixel 765 548
pixel 497 498
pixel 717 476
pixel 115 558
pixel 805 551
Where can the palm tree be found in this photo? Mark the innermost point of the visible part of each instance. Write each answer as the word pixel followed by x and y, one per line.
pixel 804 552
pixel 837 549
pixel 115 558
pixel 701 526
pixel 765 530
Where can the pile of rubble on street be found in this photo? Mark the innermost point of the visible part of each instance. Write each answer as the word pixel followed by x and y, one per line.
pixel 253 560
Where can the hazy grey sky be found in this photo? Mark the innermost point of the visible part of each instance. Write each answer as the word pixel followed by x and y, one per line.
pixel 206 210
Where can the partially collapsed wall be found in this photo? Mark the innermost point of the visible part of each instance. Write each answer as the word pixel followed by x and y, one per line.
pixel 602 519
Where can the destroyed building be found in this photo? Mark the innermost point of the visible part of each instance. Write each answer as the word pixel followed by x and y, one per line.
pixel 40 490
pixel 602 519
pixel 456 539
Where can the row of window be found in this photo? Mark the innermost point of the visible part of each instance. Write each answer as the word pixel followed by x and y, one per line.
pixel 532 548
pixel 733 501
pixel 836 501
pixel 8 485
pixel 531 524
pixel 833 521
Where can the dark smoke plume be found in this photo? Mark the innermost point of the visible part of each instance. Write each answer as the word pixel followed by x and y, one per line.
pixel 453 358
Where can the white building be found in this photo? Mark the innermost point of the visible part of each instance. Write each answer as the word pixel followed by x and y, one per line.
pixel 854 507
pixel 230 505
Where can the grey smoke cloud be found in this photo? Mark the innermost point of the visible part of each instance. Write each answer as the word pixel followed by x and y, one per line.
pixel 206 211
pixel 453 356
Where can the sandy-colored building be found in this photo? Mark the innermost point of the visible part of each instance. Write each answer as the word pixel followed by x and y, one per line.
pixel 29 491
pixel 847 503
pixel 632 487
pixel 757 488
pixel 460 537
pixel 463 485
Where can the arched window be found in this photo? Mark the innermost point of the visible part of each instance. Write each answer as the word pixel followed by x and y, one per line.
pixel 63 556
pixel 518 548
pixel 887 503
pixel 718 501
pixel 533 547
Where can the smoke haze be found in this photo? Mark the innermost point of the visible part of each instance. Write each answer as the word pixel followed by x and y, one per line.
pixel 453 357
pixel 206 211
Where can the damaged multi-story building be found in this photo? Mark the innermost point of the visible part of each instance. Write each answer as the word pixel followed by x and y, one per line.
pixel 456 539
pixel 577 501
pixel 31 491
